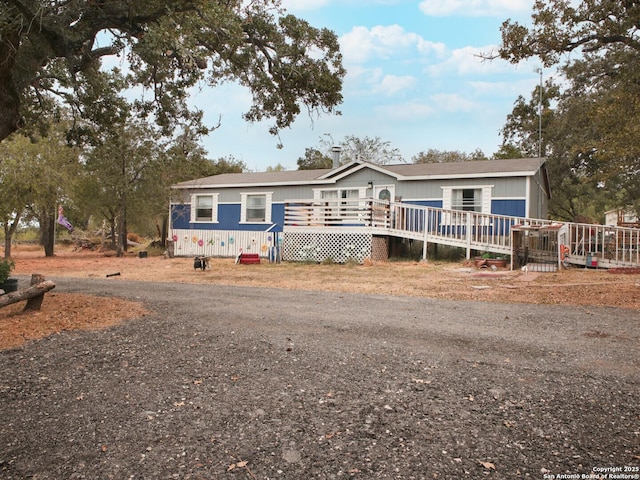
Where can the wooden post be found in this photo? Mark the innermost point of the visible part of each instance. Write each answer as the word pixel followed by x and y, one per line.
pixel 34 303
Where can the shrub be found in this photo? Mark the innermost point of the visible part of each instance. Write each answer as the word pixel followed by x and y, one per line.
pixel 5 269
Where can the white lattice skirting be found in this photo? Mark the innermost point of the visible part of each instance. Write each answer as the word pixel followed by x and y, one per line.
pixel 295 246
pixel 334 247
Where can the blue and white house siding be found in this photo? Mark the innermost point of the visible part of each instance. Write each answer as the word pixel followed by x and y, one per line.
pixel 224 237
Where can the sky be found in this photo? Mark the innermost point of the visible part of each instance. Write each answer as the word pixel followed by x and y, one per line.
pixel 414 79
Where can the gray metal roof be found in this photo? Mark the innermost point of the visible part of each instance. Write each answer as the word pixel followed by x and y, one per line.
pixel 251 178
pixel 462 169
pixel 418 171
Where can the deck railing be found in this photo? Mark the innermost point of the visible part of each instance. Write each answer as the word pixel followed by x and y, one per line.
pixel 603 245
pixel 470 230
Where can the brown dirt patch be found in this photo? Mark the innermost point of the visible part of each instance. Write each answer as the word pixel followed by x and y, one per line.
pixel 63 311
pixel 423 279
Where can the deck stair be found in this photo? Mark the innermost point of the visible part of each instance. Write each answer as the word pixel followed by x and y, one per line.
pixel 608 246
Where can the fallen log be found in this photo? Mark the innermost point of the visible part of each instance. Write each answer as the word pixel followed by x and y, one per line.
pixel 34 291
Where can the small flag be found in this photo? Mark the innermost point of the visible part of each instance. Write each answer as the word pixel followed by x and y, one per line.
pixel 63 221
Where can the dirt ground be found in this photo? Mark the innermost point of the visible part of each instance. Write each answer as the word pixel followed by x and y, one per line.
pixel 382 371
pixel 452 281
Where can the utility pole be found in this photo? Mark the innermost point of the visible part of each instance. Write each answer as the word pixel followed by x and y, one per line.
pixel 539 70
pixel 540 191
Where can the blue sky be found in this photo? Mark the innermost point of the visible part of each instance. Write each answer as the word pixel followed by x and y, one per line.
pixel 413 80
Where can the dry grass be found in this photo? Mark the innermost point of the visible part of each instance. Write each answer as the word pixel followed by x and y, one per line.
pixel 450 281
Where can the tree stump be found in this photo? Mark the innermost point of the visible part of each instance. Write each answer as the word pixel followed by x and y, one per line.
pixel 34 303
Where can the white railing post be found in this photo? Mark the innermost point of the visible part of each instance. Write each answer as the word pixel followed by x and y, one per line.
pixel 469 236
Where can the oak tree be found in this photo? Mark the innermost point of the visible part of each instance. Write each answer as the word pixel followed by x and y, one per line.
pixel 596 129
pixel 57 47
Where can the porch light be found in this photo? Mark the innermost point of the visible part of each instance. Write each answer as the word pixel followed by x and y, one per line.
pixel 370 185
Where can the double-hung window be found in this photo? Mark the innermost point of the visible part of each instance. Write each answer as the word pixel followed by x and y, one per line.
pixel 467 199
pixel 204 208
pixel 256 208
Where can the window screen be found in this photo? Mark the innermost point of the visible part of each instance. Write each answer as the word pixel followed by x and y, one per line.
pixel 256 208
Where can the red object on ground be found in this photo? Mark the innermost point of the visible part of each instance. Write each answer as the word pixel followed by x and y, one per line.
pixel 249 258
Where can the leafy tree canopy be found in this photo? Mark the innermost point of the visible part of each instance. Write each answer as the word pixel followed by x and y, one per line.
pixel 56 47
pixel 561 27
pixel 433 155
pixel 372 150
pixel 314 159
pixel 595 127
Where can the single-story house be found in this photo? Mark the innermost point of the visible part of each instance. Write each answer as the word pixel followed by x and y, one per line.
pixel 224 215
pixel 621 217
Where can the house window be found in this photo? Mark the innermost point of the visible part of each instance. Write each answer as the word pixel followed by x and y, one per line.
pixel 256 208
pixel 384 194
pixel 344 198
pixel 204 208
pixel 349 194
pixel 467 199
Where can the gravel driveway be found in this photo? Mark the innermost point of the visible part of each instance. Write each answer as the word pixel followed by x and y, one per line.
pixel 253 383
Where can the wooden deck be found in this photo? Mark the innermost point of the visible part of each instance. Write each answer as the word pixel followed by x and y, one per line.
pixel 589 245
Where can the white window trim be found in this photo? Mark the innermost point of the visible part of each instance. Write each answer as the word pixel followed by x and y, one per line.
pixel 214 207
pixel 447 200
pixel 485 202
pixel 267 207
pixel 317 192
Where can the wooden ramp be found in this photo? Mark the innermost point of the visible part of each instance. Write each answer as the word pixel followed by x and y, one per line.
pixel 578 244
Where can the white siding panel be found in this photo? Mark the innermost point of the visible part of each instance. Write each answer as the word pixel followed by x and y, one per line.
pixel 221 243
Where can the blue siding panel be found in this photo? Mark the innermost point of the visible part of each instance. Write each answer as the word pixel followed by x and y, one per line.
pixel 514 208
pixel 426 203
pixel 180 216
pixel 228 219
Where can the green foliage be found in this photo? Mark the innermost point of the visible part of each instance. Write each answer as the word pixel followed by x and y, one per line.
pixel 433 155
pixel 6 266
pixel 372 150
pixel 506 151
pixel 278 168
pixel 591 135
pixel 314 159
pixel 37 173
pixel 560 27
pixel 51 49
pixel 525 123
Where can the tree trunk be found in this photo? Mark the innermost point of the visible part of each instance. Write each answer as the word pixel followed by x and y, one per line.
pixel 10 119
pixel 7 241
pixel 47 233
pixel 36 290
pixel 165 231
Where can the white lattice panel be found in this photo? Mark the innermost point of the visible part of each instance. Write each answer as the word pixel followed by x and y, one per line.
pixel 320 247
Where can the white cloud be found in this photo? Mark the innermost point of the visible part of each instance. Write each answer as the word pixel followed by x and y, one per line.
pixel 474 8
pixel 469 61
pixel 412 111
pixel 448 102
pixel 384 42
pixel 304 4
pixel 393 84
